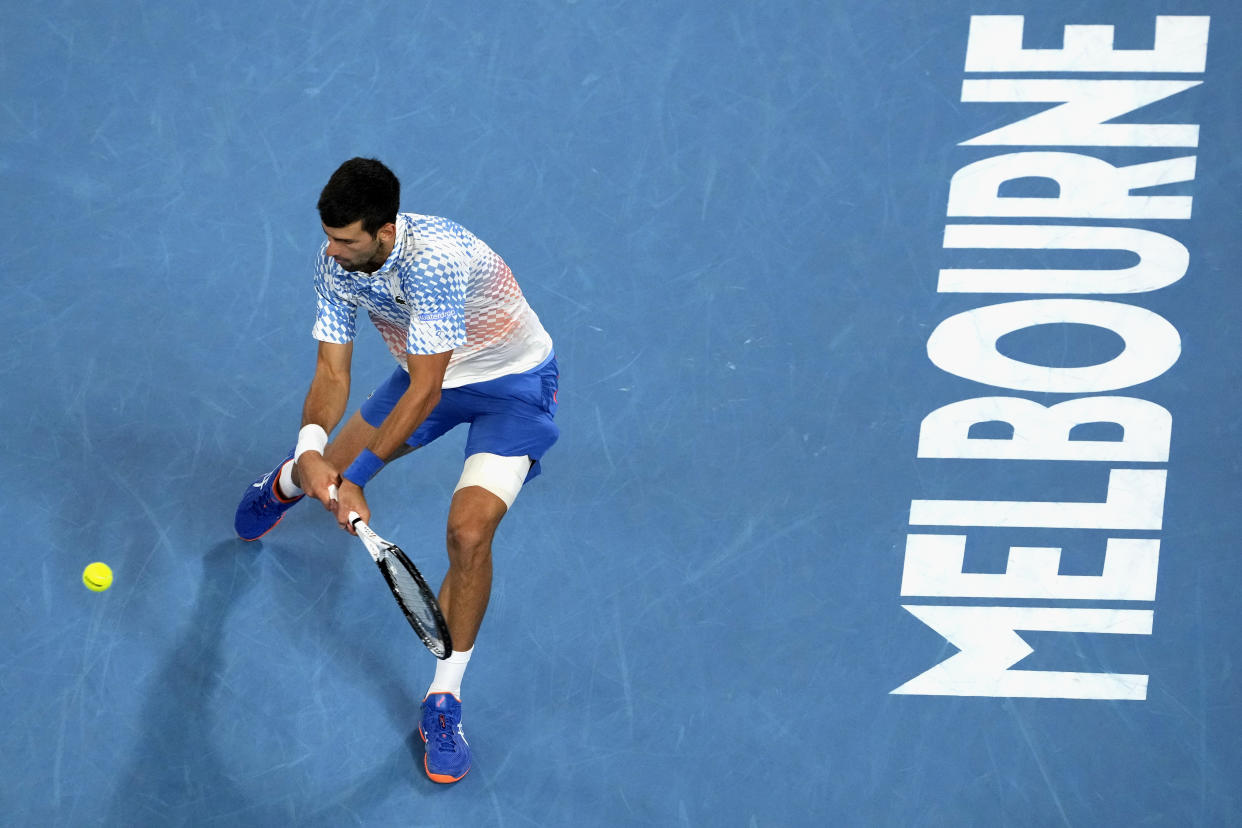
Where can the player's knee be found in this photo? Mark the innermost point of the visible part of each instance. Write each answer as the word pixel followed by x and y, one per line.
pixel 469 543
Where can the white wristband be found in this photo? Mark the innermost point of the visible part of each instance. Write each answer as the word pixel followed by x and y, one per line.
pixel 311 438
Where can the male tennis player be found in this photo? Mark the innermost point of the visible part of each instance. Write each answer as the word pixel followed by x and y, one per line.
pixel 469 349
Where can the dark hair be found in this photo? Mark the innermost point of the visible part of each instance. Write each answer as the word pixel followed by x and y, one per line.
pixel 360 189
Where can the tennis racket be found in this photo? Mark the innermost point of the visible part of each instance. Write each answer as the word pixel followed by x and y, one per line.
pixel 410 589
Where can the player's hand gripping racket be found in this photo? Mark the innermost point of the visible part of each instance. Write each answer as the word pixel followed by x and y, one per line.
pixel 413 595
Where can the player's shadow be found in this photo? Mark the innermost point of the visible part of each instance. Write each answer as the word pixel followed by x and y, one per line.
pixel 387 669
pixel 175 774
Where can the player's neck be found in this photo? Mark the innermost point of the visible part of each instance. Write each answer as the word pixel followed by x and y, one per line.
pixel 378 262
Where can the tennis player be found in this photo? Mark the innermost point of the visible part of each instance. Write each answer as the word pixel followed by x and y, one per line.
pixel 469 349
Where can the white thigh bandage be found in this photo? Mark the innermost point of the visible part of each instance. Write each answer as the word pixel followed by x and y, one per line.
pixel 502 476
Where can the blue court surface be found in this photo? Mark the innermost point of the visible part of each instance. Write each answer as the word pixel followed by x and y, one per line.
pixel 898 480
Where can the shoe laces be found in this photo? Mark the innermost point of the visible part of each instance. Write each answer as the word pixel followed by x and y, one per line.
pixel 262 503
pixel 446 737
pixel 267 498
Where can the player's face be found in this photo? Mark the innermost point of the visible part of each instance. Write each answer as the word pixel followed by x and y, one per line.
pixel 355 249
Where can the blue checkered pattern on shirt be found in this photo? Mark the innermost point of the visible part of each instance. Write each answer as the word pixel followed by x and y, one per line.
pixel 417 300
pixel 441 289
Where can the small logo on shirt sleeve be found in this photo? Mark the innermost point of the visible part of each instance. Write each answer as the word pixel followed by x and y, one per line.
pixel 434 316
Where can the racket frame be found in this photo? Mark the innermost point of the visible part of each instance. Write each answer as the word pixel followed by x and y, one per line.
pixel 381 551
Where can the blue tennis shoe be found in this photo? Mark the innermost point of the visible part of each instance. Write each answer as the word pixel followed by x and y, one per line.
pixel 262 507
pixel 448 755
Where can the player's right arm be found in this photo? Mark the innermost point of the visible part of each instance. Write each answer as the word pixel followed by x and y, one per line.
pixel 325 405
pixel 336 311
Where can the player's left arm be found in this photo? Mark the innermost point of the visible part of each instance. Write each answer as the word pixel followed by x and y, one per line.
pixel 426 379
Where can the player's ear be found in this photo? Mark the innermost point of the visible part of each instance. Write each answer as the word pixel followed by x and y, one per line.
pixel 388 233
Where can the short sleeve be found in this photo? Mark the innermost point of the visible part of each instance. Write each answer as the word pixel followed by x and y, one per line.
pixel 336 316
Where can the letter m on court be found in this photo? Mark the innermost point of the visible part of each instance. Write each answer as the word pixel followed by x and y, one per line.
pixel 989 643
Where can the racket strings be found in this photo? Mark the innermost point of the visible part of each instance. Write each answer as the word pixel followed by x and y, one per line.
pixel 411 596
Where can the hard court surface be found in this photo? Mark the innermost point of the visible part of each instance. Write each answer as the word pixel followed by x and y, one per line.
pixel 732 217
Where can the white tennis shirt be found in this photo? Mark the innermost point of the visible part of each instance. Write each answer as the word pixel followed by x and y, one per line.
pixel 440 289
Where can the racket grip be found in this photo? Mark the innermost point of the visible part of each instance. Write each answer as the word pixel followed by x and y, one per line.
pixel 354 518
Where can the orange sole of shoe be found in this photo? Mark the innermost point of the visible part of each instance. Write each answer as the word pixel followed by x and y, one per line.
pixel 443 779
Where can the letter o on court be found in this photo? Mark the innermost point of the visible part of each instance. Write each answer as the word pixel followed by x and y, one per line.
pixel 965 345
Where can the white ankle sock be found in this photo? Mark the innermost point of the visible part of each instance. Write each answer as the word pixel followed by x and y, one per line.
pixel 449 673
pixel 284 483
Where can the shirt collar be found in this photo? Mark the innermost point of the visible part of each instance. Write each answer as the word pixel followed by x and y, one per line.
pixel 398 246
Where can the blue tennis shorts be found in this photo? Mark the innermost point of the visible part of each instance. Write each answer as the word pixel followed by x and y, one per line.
pixel 510 416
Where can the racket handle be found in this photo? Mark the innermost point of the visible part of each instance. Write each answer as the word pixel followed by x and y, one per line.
pixel 354 518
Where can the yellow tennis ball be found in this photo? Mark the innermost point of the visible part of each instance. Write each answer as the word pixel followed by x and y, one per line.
pixel 97 577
